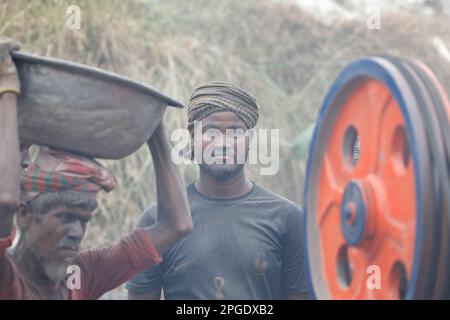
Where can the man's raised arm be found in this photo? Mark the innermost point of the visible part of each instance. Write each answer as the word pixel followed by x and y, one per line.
pixel 174 217
pixel 9 139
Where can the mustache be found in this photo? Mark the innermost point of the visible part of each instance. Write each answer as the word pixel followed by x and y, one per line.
pixel 222 152
pixel 70 244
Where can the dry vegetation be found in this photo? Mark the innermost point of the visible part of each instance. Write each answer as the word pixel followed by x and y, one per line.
pixel 284 57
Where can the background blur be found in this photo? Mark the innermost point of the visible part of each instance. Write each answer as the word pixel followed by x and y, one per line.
pixel 286 53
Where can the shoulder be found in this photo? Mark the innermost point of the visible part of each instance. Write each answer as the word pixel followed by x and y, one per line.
pixel 150 214
pixel 284 213
pixel 271 200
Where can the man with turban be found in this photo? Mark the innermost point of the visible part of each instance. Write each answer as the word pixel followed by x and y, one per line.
pixel 53 199
pixel 248 241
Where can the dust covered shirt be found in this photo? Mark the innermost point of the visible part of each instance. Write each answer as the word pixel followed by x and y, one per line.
pixel 244 248
pixel 101 270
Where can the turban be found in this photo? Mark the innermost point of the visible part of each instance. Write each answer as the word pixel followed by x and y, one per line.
pixel 55 170
pixel 220 96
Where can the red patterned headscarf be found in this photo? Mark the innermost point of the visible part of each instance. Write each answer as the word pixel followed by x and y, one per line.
pixel 55 170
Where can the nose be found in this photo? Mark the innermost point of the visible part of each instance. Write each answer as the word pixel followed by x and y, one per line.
pixel 229 143
pixel 76 231
pixel 224 142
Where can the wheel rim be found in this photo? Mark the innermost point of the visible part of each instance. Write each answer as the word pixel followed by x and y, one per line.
pixel 370 103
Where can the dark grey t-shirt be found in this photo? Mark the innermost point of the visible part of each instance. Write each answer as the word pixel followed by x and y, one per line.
pixel 244 248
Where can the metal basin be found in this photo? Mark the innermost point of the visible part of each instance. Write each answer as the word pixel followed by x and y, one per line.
pixel 83 109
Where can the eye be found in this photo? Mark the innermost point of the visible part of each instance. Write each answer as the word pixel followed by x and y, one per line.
pixel 236 131
pixel 240 133
pixel 84 222
pixel 211 131
pixel 68 218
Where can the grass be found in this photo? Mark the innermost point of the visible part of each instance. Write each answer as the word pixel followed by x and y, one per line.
pixel 286 58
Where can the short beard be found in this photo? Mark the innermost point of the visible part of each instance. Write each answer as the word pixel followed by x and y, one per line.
pixel 56 271
pixel 222 172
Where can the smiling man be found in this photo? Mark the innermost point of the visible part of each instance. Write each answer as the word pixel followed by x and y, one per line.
pixel 247 242
pixel 53 199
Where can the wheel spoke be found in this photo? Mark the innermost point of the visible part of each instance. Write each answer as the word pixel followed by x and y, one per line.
pixel 369 127
pixel 330 189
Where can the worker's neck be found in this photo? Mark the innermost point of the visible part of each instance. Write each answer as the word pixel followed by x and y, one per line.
pixel 233 187
pixel 31 267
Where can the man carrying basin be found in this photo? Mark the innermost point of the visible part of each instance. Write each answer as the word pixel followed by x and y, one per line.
pixel 53 199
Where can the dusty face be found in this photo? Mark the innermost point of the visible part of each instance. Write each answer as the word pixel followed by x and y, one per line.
pixel 54 238
pixel 224 144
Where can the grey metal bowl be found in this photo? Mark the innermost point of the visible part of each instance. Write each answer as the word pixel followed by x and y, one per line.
pixel 83 109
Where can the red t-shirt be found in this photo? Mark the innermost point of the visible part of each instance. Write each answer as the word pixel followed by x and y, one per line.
pixel 101 270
